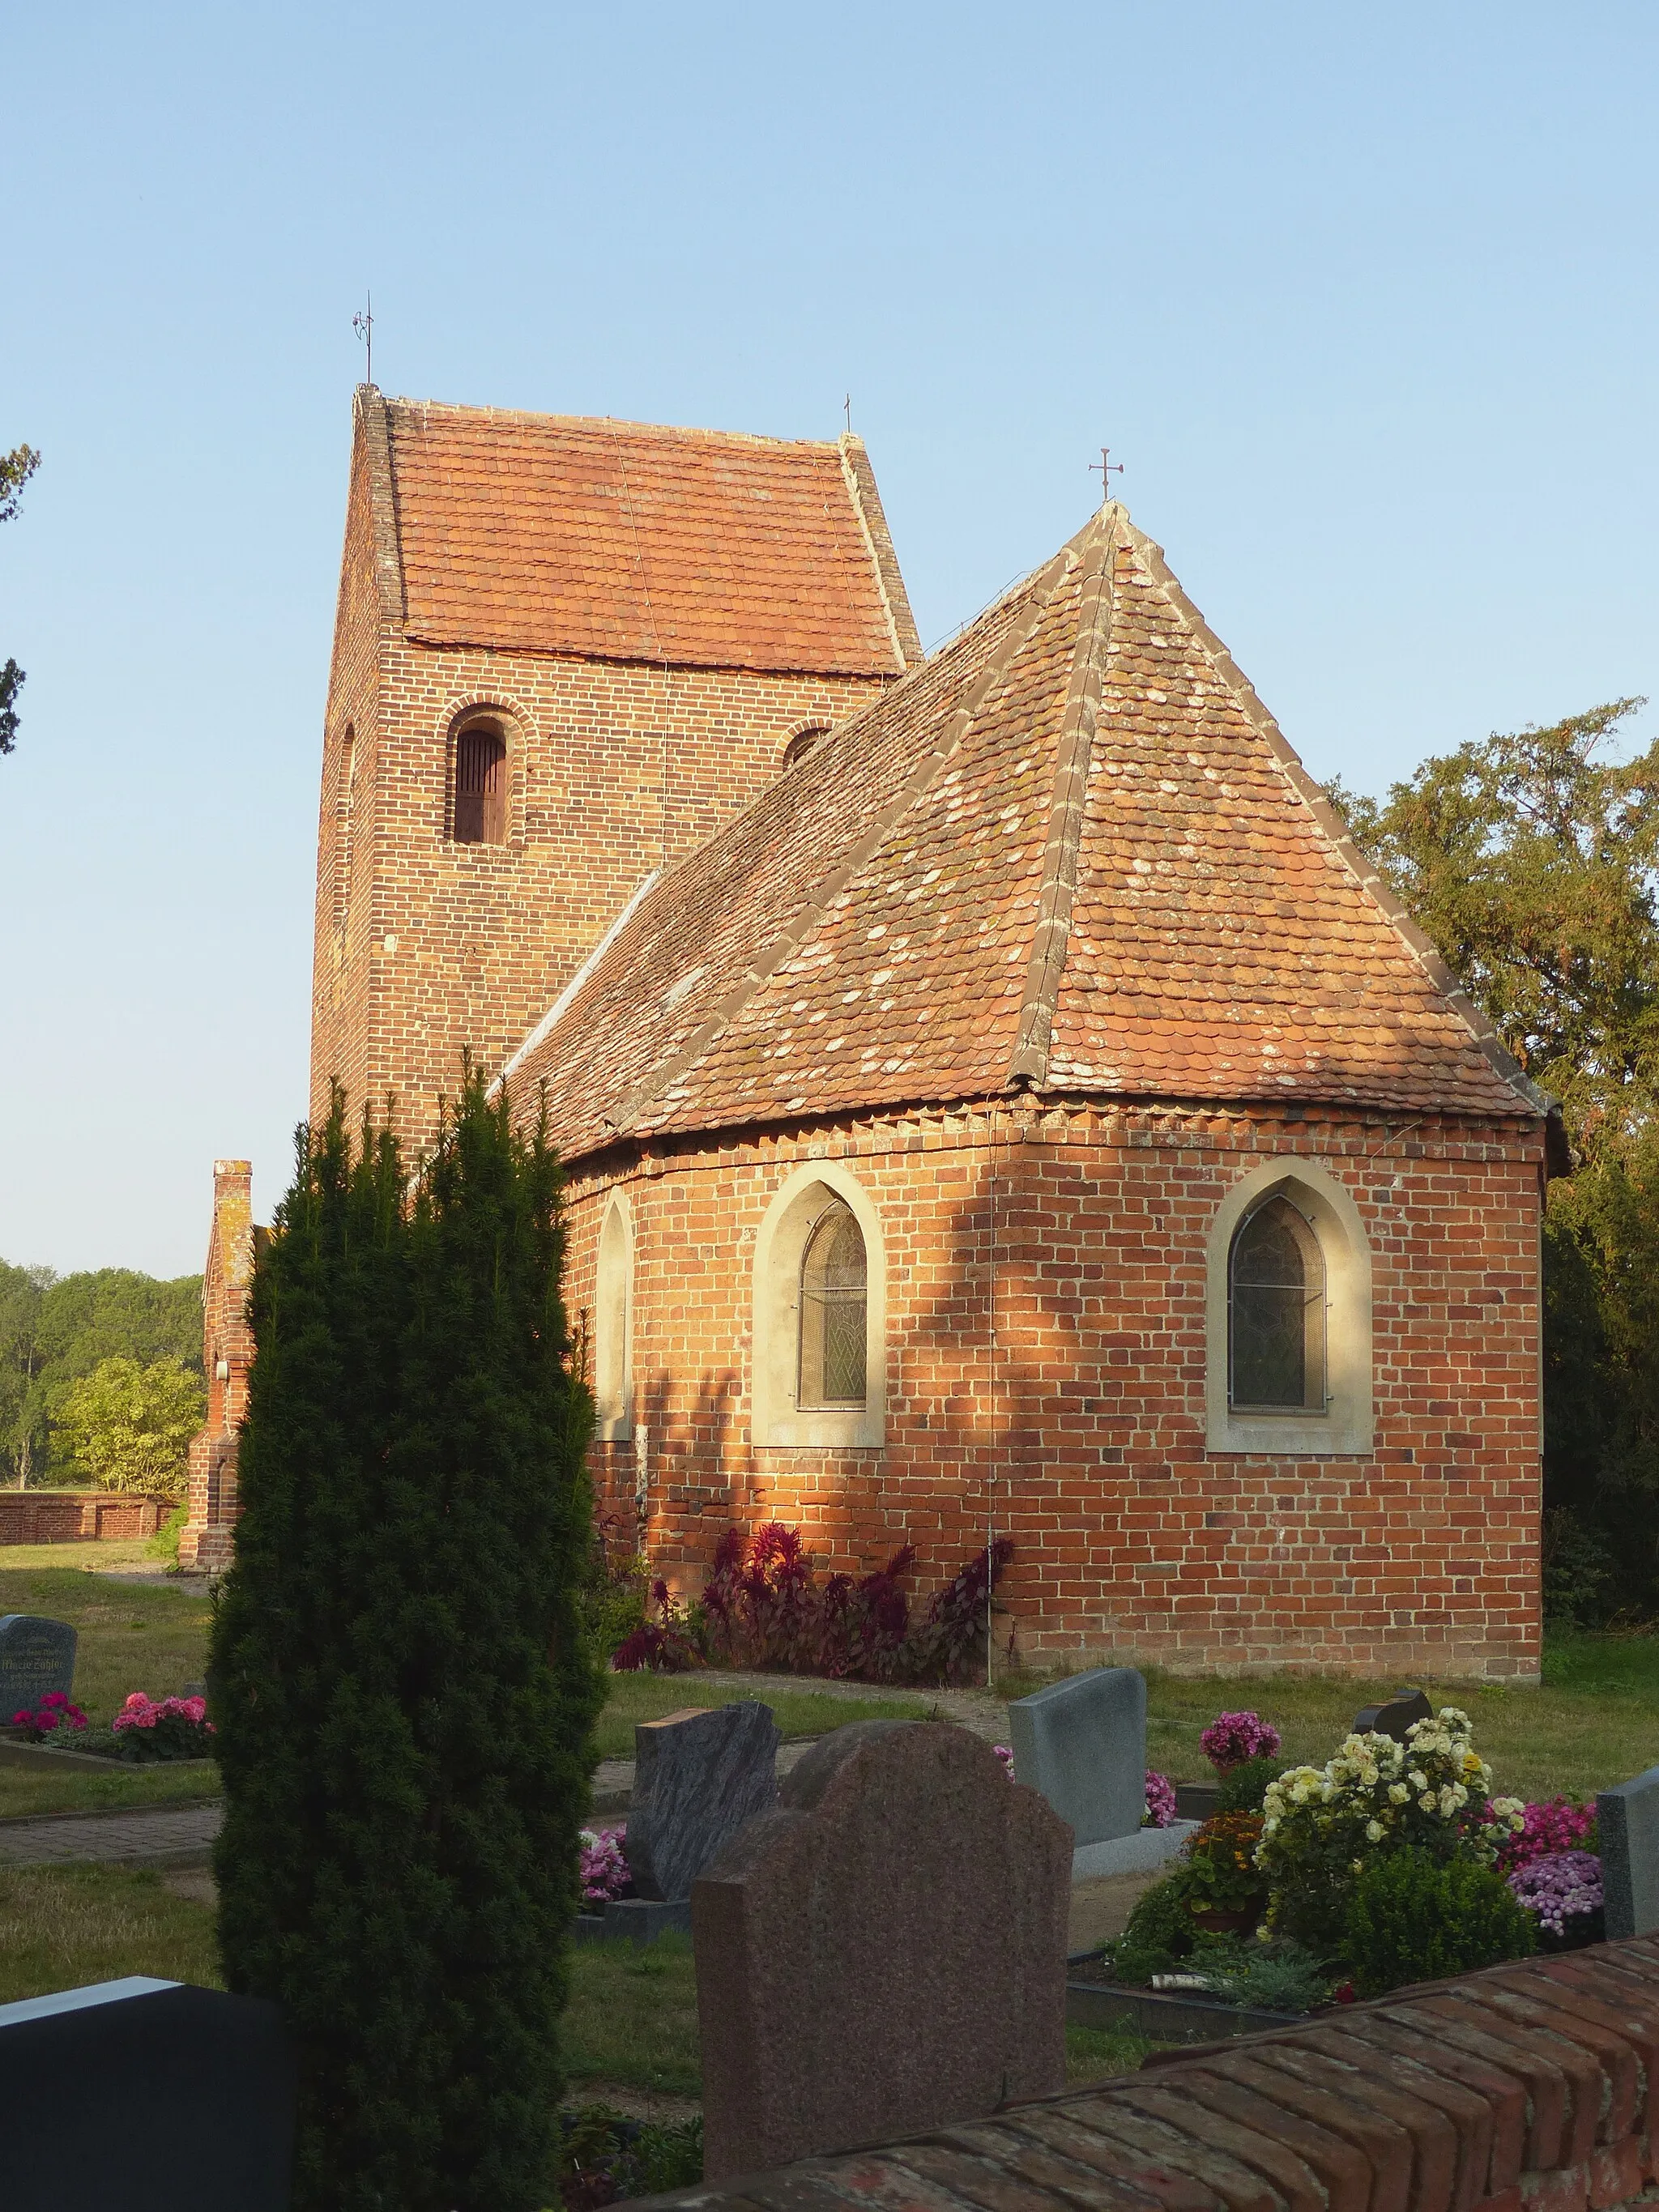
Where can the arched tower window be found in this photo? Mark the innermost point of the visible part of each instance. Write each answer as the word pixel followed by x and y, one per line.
pixel 833 1300
pixel 478 811
pixel 802 742
pixel 1276 1311
pixel 613 1326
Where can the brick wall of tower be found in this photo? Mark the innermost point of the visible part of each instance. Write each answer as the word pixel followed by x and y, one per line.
pixel 1046 1350
pixel 614 768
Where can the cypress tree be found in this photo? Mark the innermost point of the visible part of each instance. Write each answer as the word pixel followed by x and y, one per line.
pixel 404 1699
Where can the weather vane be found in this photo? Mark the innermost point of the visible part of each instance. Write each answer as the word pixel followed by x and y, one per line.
pixel 1107 469
pixel 363 323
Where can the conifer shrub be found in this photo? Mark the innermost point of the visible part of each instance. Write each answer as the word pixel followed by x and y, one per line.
pixel 404 1693
pixel 1412 1918
pixel 1243 1788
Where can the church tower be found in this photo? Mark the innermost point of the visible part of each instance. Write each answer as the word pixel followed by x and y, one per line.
pixel 566 651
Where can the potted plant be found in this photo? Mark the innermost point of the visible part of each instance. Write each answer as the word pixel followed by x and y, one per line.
pixel 1228 1891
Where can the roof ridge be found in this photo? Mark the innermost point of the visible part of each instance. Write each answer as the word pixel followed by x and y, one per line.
pixel 1334 831
pixel 606 424
pixel 860 482
pixel 1029 1061
pixel 787 940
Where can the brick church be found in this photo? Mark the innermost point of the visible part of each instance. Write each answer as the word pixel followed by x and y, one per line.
pixel 995 1096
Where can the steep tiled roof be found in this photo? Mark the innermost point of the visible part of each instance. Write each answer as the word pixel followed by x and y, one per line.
pixel 551 533
pixel 1072 851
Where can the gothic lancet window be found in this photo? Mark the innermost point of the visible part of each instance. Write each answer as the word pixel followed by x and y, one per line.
pixel 480 796
pixel 1276 1312
pixel 833 1307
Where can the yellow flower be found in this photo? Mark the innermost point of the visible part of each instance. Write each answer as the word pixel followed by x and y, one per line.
pixel 1398 1793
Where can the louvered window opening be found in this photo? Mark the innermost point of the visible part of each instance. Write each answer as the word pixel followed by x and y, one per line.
pixel 1276 1313
pixel 480 786
pixel 834 1308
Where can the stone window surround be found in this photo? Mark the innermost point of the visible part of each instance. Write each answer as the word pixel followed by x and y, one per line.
pixel 1345 1427
pixel 794 1212
pixel 613 1324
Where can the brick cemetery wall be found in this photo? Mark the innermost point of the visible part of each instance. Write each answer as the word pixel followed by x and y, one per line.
pixel 77 1516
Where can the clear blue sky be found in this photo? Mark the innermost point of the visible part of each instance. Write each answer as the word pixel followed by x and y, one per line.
pixel 1364 298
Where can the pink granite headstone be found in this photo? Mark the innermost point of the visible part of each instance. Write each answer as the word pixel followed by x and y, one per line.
pixel 886 1951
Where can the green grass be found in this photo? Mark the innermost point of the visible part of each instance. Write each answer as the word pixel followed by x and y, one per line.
pixel 1593 1721
pixel 633 2016
pixel 801 1712
pixel 63 1927
pixel 1093 2054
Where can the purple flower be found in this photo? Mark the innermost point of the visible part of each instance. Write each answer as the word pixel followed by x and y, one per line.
pixel 1559 1887
pixel 1160 1799
pixel 602 1865
pixel 1004 1752
pixel 1232 1738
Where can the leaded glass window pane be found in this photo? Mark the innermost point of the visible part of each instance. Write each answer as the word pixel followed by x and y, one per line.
pixel 833 1293
pixel 1277 1311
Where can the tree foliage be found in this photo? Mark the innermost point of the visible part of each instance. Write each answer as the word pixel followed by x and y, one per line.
pixel 1532 860
pixel 16 468
pixel 403 1695
pixel 55 1330
pixel 129 1427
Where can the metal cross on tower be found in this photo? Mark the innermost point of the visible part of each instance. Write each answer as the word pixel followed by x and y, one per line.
pixel 363 323
pixel 1107 469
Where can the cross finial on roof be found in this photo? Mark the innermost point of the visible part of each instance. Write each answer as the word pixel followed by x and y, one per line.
pixel 363 323
pixel 1108 469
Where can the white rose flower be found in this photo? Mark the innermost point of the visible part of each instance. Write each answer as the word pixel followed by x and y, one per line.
pixel 1374 1832
pixel 1398 1793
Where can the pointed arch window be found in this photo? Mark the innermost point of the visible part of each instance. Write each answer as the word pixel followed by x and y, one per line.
pixel 479 801
pixel 1276 1312
pixel 834 1313
pixel 613 1326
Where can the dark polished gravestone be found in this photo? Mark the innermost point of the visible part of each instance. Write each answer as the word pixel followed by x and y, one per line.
pixel 883 1952
pixel 1627 1830
pixel 145 2096
pixel 37 1655
pixel 698 1776
pixel 1395 1716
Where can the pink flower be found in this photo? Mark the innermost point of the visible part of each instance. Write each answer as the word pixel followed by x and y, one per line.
pixel 136 1703
pixel 194 1709
pixel 1160 1799
pixel 1004 1752
pixel 1232 1738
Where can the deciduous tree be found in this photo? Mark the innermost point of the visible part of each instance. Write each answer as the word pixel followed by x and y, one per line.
pixel 129 1427
pixel 16 468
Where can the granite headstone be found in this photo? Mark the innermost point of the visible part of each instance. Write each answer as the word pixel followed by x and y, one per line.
pixel 1082 1742
pixel 698 1776
pixel 1627 1825
pixel 1395 1716
pixel 883 1952
pixel 37 1655
pixel 96 2080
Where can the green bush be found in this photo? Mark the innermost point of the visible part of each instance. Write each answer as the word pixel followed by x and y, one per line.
pixel 1160 1933
pixel 612 1600
pixel 1413 1918
pixel 1245 1786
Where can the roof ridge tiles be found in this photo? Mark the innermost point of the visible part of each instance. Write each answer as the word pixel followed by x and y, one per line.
pixel 1029 1062
pixel 602 423
pixel 1334 830
pixel 794 933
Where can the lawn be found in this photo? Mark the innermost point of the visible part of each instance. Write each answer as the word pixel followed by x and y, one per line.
pixel 802 1712
pixel 63 1927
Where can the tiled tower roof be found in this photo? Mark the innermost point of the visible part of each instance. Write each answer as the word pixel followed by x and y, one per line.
pixel 625 541
pixel 1073 852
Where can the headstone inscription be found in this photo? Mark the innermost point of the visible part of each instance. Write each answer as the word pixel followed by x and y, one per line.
pixel 1083 1743
pixel 1395 1715
pixel 124 2039
pixel 37 1655
pixel 1628 1827
pixel 884 1950
pixel 698 1775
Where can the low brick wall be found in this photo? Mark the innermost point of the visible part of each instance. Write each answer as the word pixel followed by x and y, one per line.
pixel 1528 2089
pixel 77 1516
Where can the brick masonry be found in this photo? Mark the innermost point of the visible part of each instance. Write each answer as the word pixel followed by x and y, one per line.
pixel 77 1516
pixel 1045 1345
pixel 1531 2088
pixel 227 1355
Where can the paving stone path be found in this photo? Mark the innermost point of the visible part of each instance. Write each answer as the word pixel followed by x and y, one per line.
pixel 150 1834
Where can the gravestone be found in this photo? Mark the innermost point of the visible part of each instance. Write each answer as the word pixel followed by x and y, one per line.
pixel 1395 1715
pixel 146 2096
pixel 37 1657
pixel 1083 1743
pixel 698 1776
pixel 883 1952
pixel 1627 1826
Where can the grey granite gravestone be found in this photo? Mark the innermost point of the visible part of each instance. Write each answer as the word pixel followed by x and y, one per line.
pixel 1395 1715
pixel 1083 1743
pixel 698 1776
pixel 1627 1825
pixel 37 1655
pixel 883 1952
pixel 101 2074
